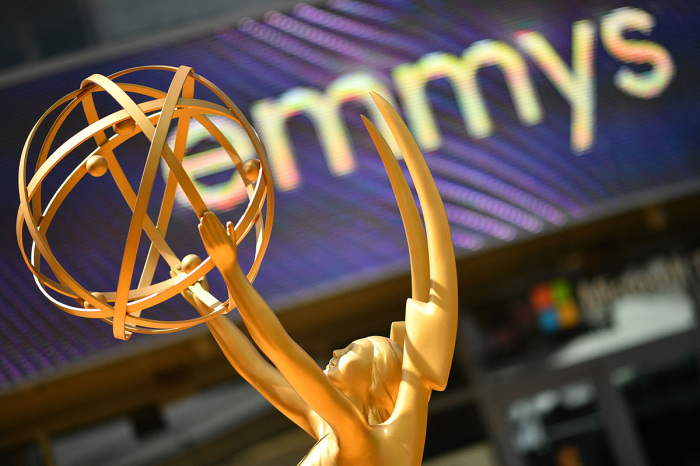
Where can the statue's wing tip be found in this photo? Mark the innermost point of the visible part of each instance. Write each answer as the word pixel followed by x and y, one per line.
pixel 380 101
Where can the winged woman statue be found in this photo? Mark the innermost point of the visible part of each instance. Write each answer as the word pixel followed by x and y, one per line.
pixel 370 404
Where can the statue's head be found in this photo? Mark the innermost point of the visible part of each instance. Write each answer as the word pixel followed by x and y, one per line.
pixel 369 370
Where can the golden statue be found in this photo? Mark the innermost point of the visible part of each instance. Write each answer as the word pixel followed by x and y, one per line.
pixel 370 404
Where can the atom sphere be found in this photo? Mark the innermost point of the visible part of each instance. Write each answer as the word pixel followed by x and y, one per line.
pixel 143 112
pixel 96 165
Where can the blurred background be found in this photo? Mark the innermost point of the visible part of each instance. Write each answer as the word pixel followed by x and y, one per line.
pixel 563 137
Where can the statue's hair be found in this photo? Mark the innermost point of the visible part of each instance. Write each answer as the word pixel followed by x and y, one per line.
pixel 386 376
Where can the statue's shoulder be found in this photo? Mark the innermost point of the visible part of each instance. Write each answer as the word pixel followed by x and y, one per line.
pixel 429 341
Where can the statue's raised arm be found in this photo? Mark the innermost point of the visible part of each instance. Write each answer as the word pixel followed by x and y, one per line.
pixel 295 365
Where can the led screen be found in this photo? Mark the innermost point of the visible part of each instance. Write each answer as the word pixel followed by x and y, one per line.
pixel 533 116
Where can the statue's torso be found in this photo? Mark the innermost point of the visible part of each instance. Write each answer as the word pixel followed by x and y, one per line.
pixel 379 449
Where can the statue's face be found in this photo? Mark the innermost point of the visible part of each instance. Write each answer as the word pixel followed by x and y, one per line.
pixel 351 367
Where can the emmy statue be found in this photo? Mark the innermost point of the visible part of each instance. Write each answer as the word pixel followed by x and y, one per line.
pixel 369 406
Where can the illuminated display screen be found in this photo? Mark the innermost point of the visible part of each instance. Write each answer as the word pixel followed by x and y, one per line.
pixel 532 116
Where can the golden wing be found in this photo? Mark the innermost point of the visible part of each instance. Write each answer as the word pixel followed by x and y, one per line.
pixel 431 315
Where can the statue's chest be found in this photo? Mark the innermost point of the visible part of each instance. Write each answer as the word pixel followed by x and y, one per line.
pixel 327 453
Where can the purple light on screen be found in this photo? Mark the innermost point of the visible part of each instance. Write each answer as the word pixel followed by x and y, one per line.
pixel 324 39
pixel 467 240
pixel 294 47
pixel 348 26
pixel 518 167
pixel 266 34
pixel 464 217
pixel 38 330
pixel 497 187
pixel 490 205
pixel 8 371
pixel 550 162
pixel 387 34
pixel 482 223
pixel 246 55
pixel 533 164
pixel 361 9
pixel 476 155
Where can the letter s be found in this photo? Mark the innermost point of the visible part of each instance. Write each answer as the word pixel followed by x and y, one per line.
pixel 647 84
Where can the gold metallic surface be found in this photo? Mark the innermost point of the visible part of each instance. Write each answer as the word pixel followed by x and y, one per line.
pixel 370 405
pixel 151 118
pixel 251 168
pixel 96 165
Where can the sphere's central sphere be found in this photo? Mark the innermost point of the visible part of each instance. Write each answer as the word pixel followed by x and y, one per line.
pixel 152 119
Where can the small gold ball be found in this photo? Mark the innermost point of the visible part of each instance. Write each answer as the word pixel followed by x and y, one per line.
pixel 251 168
pixel 190 262
pixel 98 296
pixel 124 127
pixel 96 165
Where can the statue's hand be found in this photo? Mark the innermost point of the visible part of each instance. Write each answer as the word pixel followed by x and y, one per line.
pixel 219 242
